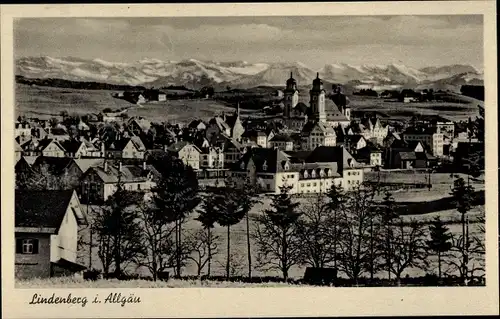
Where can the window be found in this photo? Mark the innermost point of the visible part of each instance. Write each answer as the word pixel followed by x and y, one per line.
pixel 314 184
pixel 27 246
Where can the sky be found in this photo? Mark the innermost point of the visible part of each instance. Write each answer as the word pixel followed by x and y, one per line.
pixel 416 41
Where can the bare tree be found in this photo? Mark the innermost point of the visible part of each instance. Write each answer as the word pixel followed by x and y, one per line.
pixel 204 247
pixel 157 241
pixel 408 247
pixel 355 222
pixel 317 231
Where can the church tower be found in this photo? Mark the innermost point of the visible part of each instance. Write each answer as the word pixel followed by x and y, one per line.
pixel 317 102
pixel 291 96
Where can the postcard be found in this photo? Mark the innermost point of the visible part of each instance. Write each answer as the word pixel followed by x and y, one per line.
pixel 160 158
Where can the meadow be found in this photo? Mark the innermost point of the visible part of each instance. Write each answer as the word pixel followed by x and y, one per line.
pixel 45 102
pixel 239 266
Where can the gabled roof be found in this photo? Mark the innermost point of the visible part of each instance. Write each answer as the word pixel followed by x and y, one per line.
pixel 275 160
pixel 55 165
pixel 129 173
pixel 143 124
pixel 120 144
pixel 219 121
pixel 43 208
pixel 85 163
pixel 38 145
pixel 333 113
pixel 323 127
pixel 71 146
pixel 353 139
pixel 298 156
pixel 336 154
pixel 177 147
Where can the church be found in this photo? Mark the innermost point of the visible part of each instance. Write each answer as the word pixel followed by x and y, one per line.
pixel 321 108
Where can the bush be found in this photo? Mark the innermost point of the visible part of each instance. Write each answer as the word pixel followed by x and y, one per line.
pixel 92 274
pixel 320 276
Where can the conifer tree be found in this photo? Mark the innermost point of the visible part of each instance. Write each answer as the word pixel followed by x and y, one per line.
pixel 462 194
pixel 276 234
pixel 231 212
pixel 440 241
pixel 207 216
pixel 176 194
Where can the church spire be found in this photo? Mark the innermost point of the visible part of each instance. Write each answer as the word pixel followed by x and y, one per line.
pixel 317 75
pixel 291 75
pixel 238 109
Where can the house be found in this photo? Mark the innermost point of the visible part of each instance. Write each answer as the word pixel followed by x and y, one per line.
pixel 282 141
pixel 370 155
pixel 74 148
pixel 134 97
pixel 131 147
pixel 429 136
pixel 43 147
pixel 154 95
pixel 82 127
pixel 353 143
pixel 138 126
pixel 59 172
pixel 18 151
pixel 316 134
pixel 408 154
pixel 100 181
pixel 188 153
pixel 304 172
pixel 211 157
pixel 233 150
pixel 371 129
pixel 22 129
pixel 350 170
pixel 58 133
pixel 109 117
pixel 197 125
pixel 46 233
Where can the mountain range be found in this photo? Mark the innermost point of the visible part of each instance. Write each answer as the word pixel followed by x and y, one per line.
pixel 241 74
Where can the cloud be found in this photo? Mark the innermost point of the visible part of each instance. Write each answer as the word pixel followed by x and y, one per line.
pixel 326 38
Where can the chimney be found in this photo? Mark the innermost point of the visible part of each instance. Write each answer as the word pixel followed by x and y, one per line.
pixel 144 165
pixel 120 166
pixel 105 166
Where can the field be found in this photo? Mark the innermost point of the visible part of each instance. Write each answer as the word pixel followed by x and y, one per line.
pixel 45 102
pixel 399 110
pixel 238 232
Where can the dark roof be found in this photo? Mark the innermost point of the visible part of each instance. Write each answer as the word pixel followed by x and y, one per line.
pixel 353 139
pixel 69 265
pixel 281 138
pixel 298 156
pixel 41 208
pixel 70 146
pixel 338 154
pixel 55 165
pixel 120 144
pixel 301 108
pixel 419 130
pixel 176 147
pixel 129 173
pixel 275 160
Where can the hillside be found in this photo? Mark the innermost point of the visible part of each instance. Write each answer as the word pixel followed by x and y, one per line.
pixel 46 102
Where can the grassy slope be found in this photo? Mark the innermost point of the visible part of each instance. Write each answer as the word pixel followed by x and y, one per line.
pixel 45 102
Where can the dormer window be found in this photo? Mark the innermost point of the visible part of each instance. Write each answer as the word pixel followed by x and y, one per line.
pixel 286 166
pixel 264 166
pixel 242 165
pixel 306 175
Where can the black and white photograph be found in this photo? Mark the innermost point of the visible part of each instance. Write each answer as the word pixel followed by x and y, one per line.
pixel 250 151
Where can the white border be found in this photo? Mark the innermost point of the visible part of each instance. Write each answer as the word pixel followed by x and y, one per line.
pixel 192 302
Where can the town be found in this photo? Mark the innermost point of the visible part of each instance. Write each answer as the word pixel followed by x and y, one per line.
pixel 71 170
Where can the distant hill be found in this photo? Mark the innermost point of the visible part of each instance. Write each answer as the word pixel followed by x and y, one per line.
pixel 195 74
